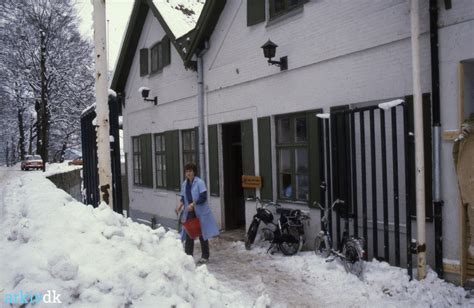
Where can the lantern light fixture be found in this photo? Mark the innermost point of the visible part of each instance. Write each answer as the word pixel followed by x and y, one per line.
pixel 269 50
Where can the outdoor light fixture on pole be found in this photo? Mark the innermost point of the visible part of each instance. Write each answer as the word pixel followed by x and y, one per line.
pixel 145 92
pixel 269 49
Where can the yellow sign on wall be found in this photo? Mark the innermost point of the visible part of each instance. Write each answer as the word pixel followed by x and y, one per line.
pixel 251 181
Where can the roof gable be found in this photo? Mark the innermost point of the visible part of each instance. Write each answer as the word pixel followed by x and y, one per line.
pixel 188 44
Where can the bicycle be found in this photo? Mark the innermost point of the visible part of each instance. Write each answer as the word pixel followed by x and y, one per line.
pixel 352 253
pixel 287 233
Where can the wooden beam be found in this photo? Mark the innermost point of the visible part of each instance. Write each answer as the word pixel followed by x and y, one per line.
pixel 450 135
pixel 462 211
pixel 452 268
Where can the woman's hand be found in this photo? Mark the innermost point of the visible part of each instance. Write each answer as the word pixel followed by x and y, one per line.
pixel 191 207
pixel 179 208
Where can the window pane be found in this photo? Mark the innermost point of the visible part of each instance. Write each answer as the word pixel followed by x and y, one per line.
pixel 301 160
pixel 158 144
pixel 136 145
pixel 284 131
pixel 136 177
pixel 279 5
pixel 192 145
pixel 286 187
pixel 189 158
pixel 159 164
pixel 302 187
pixel 159 178
pixel 285 161
pixel 300 124
pixel 186 141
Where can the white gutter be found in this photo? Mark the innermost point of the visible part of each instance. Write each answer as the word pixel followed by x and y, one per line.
pixel 202 151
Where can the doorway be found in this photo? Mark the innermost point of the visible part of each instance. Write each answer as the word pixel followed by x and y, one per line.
pixel 234 202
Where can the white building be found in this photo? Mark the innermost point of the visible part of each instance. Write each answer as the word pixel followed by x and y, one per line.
pixel 260 120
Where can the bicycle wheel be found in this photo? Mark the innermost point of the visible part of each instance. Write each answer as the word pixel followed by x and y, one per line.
pixel 353 257
pixel 251 234
pixel 320 248
pixel 290 243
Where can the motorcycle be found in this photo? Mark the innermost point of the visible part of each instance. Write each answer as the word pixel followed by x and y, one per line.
pixel 287 234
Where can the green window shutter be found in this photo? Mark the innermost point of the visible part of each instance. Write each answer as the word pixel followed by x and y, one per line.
pixel 196 148
pixel 146 156
pixel 265 158
pixel 411 185
pixel 173 176
pixel 255 12
pixel 315 156
pixel 213 160
pixel 248 165
pixel 166 50
pixel 143 61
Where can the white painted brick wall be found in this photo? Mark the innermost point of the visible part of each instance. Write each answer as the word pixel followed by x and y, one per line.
pixel 339 52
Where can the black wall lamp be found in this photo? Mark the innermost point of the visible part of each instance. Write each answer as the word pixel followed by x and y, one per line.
pixel 269 50
pixel 145 92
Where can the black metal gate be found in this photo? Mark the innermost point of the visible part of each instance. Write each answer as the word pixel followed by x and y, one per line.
pixel 89 156
pixel 366 164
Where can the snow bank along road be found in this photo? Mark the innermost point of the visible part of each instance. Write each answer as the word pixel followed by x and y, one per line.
pixel 94 257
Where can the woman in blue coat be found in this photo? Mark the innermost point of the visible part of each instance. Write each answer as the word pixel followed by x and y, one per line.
pixel 194 201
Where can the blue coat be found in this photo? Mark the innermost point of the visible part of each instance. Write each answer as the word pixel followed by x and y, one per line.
pixel 203 212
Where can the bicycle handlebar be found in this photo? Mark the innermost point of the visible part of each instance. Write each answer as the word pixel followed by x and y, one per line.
pixel 263 202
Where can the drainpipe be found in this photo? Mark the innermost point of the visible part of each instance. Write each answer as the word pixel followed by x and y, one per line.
pixel 419 151
pixel 200 72
pixel 437 202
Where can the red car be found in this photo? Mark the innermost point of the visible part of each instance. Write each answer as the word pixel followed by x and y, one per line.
pixel 32 162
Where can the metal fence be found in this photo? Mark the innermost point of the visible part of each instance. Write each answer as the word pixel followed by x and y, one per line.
pixel 89 156
pixel 366 164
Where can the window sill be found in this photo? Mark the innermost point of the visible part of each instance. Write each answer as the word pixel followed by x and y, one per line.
pixel 137 190
pixel 161 192
pixel 152 74
pixel 292 202
pixel 290 15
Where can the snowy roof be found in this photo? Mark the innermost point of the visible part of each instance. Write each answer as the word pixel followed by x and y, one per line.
pixel 181 16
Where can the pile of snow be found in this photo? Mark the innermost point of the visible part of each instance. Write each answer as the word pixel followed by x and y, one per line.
pixel 56 168
pixel 94 257
pixel 327 284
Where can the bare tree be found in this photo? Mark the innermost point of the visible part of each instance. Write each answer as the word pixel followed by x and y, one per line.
pixel 46 62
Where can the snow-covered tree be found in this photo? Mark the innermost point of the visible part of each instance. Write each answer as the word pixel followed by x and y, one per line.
pixel 48 68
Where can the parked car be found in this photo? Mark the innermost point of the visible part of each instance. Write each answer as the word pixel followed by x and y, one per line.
pixel 76 161
pixel 32 162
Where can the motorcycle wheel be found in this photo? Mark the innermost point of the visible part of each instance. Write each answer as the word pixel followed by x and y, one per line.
pixel 290 243
pixel 320 248
pixel 353 257
pixel 251 234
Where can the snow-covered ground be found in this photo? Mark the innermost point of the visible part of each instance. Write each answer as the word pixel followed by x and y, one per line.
pixel 94 257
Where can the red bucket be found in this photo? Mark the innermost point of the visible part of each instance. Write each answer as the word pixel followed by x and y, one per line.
pixel 192 227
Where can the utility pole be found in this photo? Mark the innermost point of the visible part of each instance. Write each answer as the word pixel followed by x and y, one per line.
pixel 102 107
pixel 419 151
